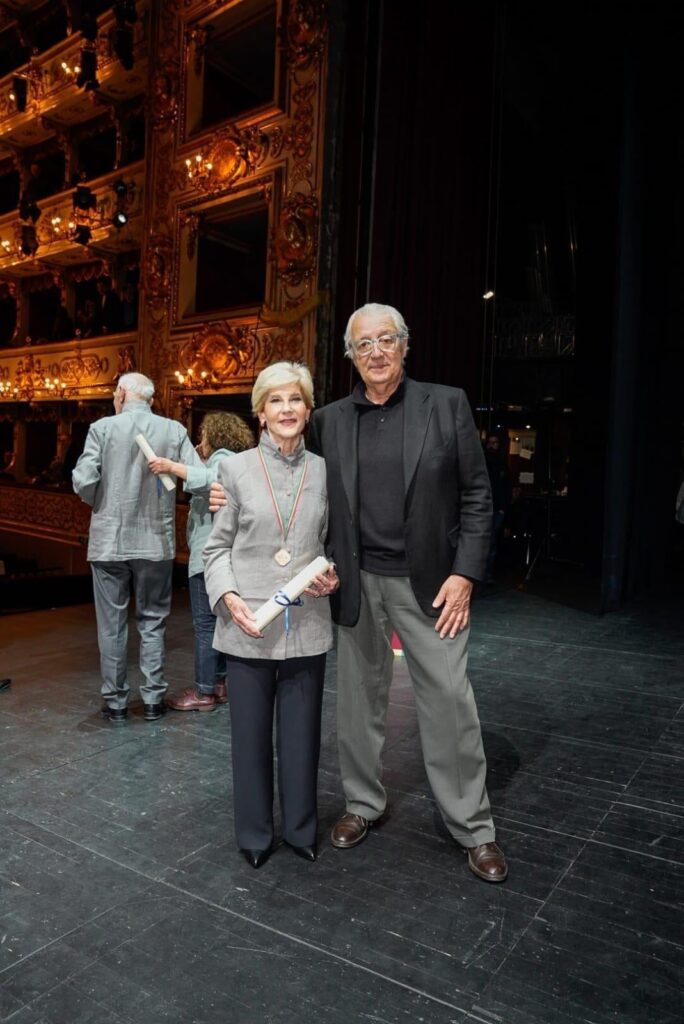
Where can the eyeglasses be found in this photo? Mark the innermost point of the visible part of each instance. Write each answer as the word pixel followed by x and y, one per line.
pixel 385 343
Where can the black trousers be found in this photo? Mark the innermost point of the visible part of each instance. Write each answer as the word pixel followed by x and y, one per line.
pixel 294 687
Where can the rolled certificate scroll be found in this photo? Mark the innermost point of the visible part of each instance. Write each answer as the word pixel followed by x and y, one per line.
pixel 289 593
pixel 168 481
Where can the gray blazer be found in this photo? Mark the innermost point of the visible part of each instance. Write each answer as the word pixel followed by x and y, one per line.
pixel 239 555
pixel 134 516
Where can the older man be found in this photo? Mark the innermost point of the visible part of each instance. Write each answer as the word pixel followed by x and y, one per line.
pixel 410 515
pixel 132 539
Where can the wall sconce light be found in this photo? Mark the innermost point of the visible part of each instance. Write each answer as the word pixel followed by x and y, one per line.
pixel 199 169
pixel 191 380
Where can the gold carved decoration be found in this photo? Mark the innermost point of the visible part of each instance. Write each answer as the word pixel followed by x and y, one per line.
pixel 53 514
pixel 296 238
pixel 216 354
pixel 75 371
pixel 305 31
pixel 231 155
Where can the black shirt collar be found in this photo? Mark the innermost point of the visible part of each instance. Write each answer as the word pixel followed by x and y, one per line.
pixel 358 396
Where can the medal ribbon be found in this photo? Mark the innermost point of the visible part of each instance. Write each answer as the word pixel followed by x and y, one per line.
pixel 284 527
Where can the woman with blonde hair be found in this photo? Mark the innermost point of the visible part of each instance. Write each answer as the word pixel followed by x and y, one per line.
pixel 221 435
pixel 273 525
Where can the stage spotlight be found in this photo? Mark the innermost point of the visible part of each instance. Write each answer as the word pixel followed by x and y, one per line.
pixel 84 198
pixel 29 242
pixel 28 210
pixel 87 76
pixel 19 93
pixel 120 219
pixel 121 188
pixel 82 234
pixel 123 47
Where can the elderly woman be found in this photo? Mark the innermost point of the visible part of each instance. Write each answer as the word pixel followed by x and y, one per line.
pixel 273 525
pixel 221 434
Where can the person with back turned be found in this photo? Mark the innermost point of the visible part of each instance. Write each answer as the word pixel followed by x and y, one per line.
pixel 132 540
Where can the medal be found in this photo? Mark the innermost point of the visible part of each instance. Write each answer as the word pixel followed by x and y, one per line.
pixel 282 555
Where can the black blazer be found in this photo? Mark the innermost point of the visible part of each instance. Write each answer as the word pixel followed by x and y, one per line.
pixel 448 505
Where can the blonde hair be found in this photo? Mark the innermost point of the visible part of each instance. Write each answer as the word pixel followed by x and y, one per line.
pixel 226 430
pixel 278 375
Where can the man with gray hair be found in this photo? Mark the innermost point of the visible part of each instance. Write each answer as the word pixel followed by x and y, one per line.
pixel 410 517
pixel 132 539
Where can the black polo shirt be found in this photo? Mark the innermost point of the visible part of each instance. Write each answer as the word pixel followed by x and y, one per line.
pixel 381 483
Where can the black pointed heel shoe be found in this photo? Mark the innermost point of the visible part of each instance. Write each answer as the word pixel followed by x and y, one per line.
pixel 255 858
pixel 306 852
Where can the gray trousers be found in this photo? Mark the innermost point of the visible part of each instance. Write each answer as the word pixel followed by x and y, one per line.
pixel 112 590
pixel 449 726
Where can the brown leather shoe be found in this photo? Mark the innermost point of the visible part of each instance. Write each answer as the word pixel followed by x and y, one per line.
pixel 221 693
pixel 349 831
pixel 488 862
pixel 192 700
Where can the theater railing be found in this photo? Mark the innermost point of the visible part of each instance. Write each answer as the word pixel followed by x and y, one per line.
pixel 55 515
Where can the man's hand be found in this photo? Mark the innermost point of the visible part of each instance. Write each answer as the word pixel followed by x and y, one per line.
pixel 217 497
pixel 241 615
pixel 324 584
pixel 454 594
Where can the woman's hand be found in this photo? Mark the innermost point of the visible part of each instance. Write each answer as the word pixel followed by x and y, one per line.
pixel 159 465
pixel 241 615
pixel 324 584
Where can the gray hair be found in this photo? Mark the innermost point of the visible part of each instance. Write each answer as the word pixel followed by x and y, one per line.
pixel 375 309
pixel 137 384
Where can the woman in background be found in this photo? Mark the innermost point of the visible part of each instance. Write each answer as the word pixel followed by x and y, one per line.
pixel 222 434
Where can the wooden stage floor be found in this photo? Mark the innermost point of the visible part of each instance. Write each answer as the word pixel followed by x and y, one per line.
pixel 123 899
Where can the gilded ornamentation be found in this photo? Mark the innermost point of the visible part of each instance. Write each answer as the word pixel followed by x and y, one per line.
pixel 289 345
pixel 126 356
pixel 198 39
pixel 165 95
pixel 231 155
pixel 220 352
pixel 157 271
pixel 55 513
pixel 305 32
pixel 77 370
pixel 295 244
pixel 190 220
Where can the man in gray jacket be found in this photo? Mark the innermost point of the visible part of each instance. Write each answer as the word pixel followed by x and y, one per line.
pixel 132 539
